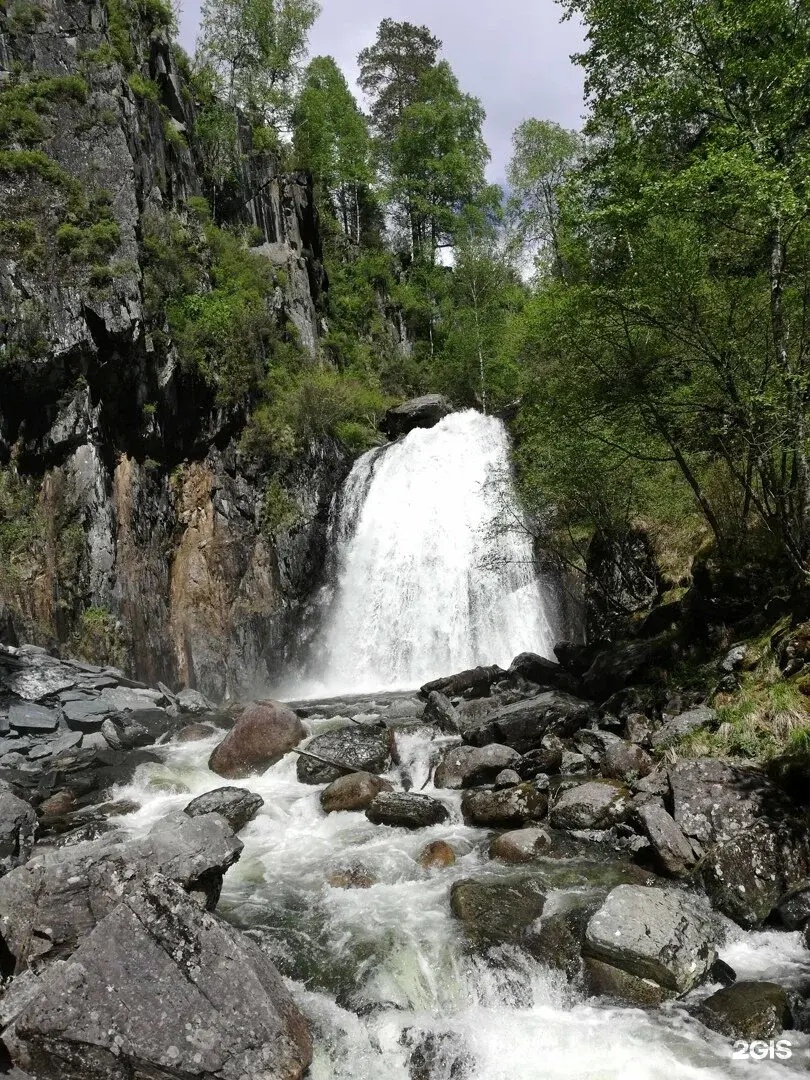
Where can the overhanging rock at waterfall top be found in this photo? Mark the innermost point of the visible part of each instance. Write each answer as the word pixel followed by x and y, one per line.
pixel 421 412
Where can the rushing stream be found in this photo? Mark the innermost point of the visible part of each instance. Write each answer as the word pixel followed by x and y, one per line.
pixel 429 581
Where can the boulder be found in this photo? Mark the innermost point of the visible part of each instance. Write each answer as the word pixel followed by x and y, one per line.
pixel 537 669
pixel 465 766
pixel 144 727
pixel 48 905
pixel 509 807
pixel 605 980
pixel 406 809
pixel 367 750
pixel 193 703
pixel 472 683
pixel 355 791
pixel 195 733
pixel 421 412
pixel 652 934
pixel 436 856
pixel 18 830
pixel 508 778
pixel 494 912
pixel 618 665
pixel 678 727
pixel 713 800
pixel 523 724
pixel 545 760
pixel 440 712
pixel 747 1010
pixel 262 735
pixel 555 939
pixel 236 805
pixel 673 853
pixel 438 1054
pixel 521 845
pixel 351 877
pixel 88 714
pixel 794 907
pixel 615 758
pixel 592 805
pixel 213 1005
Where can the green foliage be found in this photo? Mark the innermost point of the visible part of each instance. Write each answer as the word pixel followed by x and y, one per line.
pixel 123 16
pixel 144 88
pixel 24 16
pixel 23 105
pixel 35 163
pixel 280 511
pixel 391 72
pixel 89 243
pixel 98 638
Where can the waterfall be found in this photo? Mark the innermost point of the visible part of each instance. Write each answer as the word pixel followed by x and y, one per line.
pixel 434 570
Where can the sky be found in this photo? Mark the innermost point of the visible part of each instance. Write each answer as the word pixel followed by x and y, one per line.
pixel 515 57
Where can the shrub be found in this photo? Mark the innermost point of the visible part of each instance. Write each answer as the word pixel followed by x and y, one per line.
pixel 280 511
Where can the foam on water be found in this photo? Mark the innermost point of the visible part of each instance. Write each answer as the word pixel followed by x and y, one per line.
pixel 367 965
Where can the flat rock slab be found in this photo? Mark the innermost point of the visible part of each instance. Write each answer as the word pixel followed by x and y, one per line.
pixel 369 751
pixel 236 805
pixel 652 934
pixel 465 766
pixel 213 1005
pixel 87 715
pixel 523 724
pixel 31 719
pixel 35 682
pixel 508 807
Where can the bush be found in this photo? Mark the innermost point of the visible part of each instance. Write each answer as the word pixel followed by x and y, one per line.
pixel 280 511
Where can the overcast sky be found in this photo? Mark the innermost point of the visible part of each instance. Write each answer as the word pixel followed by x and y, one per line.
pixel 515 57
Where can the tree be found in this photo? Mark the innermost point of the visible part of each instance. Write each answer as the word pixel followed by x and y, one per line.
pixel 391 72
pixel 332 140
pixel 255 47
pixel 543 155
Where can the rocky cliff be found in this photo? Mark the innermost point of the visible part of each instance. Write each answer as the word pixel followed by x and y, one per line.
pixel 133 524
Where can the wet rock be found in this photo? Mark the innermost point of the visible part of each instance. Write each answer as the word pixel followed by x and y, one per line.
pixel 521 845
pixel 573 764
pixel 30 719
pixel 555 939
pixel 606 980
pixel 236 805
pixel 672 851
pixel 367 750
pixel 465 766
pixel 437 1055
pixel 18 830
pixel 475 682
pixel 48 905
pixel 523 724
pixel 192 702
pixel 96 1015
pixel 652 934
pixel 351 877
pixel 592 805
pixel 721 972
pixel 678 727
pixel 547 759
pixel 494 912
pixel 195 733
pixel 436 856
pixel 86 715
pixel 509 807
pixel 406 809
pixel 421 412
pixel 747 1010
pixel 262 735
pixel 537 669
pixel 794 907
pixel 126 731
pixel 58 804
pixel 355 791
pixel 440 712
pixel 507 778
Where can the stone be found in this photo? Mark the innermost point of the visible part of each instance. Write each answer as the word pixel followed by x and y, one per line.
pixel 131 698
pixel 523 724
pixel 213 1004
pixel 652 934
pixel 472 683
pixel 678 727
pixel 18 830
pixel 544 760
pixel 367 750
pixel 734 659
pixel 505 779
pixel 592 805
pixel 713 800
pixel 622 760
pixel 555 939
pixel 355 791
pixel 421 412
pixel 496 912
pixel 48 905
pixel 465 766
pixel 573 764
pixel 236 805
pixel 195 733
pixel 193 702
pixel 521 845
pixel 638 729
pixel 438 1054
pixel 619 665
pixel 352 877
pixel 672 851
pixel 52 748
pixel 263 734
pixel 436 856
pixel 747 1010
pixel 33 719
pixel 606 980
pixel 39 680
pixel 87 715
pixel 541 671
pixel 406 809
pixel 440 712
pixel 57 805
pixel 509 807
pixel 794 907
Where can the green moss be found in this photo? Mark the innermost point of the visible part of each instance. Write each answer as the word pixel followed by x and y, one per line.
pixel 35 163
pixel 88 244
pixel 22 240
pixel 173 136
pixel 98 638
pixel 144 88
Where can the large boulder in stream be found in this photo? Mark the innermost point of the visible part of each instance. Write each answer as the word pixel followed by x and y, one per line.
pixel 523 724
pixel 407 810
pixel 507 808
pixel 495 912
pixel 466 766
pixel 236 805
pixel 421 412
pixel 747 1010
pixel 651 935
pixel 51 903
pixel 366 749
pixel 593 805
pixel 262 735
pixel 472 683
pixel 162 989
pixel 356 791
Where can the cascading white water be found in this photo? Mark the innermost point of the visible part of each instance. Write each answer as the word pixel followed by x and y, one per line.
pixel 434 567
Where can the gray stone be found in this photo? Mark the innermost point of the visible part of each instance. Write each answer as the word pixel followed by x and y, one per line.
pixel 125 699
pixel 48 748
pixel 236 805
pixel 510 807
pixel 747 1010
pixel 193 702
pixel 523 724
pixel 677 727
pixel 38 681
pixel 734 659
pixel 794 906
pixel 263 734
pixel 87 715
pixel 18 830
pixel 609 981
pixel 506 779
pixel 355 791
pixel 572 763
pixel 652 934
pixel 212 1005
pixel 495 912
pixel 421 412
pixel 406 809
pixel 125 731
pixel 673 852
pixel 522 845
pixel 440 712
pixel 369 751
pixel 33 719
pixel 465 766
pixel 592 805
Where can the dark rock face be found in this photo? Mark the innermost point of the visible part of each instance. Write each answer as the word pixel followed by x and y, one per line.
pixel 369 751
pixel 406 809
pixel 621 580
pixel 440 712
pixel 523 724
pixel 673 852
pixel 421 412
pixel 236 805
pixel 556 937
pixel 617 666
pixel 262 735
pixel 474 683
pixel 98 1016
pixel 543 672
pixel 747 1010
pixel 494 912
pixel 18 829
